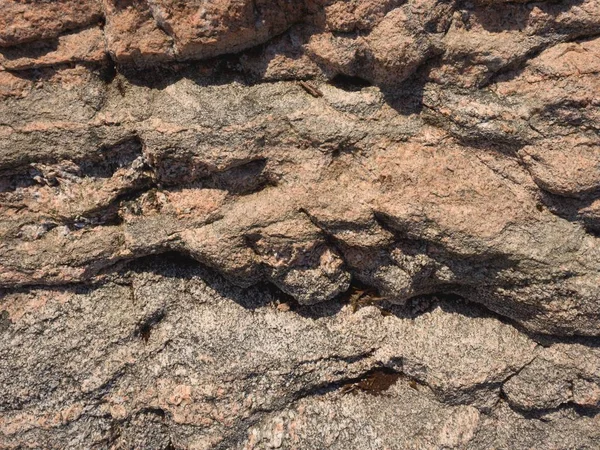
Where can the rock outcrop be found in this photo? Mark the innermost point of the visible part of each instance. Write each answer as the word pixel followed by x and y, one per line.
pixel 299 224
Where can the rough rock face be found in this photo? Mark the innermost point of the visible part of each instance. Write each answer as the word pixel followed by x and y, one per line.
pixel 240 224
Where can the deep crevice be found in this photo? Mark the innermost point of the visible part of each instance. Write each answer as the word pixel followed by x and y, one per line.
pixel 177 263
pixel 376 381
pixel 155 411
pixel 349 83
pixel 541 413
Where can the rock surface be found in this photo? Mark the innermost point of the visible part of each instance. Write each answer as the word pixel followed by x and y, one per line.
pixel 316 224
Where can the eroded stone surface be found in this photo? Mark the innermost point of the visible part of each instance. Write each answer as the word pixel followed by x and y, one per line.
pixel 30 21
pixel 565 374
pixel 167 341
pixel 390 201
pixel 287 202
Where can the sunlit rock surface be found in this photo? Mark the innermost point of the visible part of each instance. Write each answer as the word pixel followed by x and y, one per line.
pixel 241 224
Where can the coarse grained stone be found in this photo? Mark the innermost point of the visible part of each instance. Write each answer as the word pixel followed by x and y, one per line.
pixel 307 224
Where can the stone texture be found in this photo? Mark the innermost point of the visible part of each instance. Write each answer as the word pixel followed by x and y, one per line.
pixel 170 341
pixel 30 21
pixel 289 200
pixel 569 373
pixel 85 46
pixel 312 224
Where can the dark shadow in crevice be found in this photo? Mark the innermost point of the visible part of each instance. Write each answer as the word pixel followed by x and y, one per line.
pixel 218 71
pixel 547 340
pixel 445 299
pixel 107 71
pixel 344 149
pixel 375 381
pixel 271 295
pixel 110 158
pixel 144 329
pixel 541 414
pixel 452 301
pixel 19 178
pixel 102 163
pixel 168 263
pixel 349 83
pixel 244 179
pixel 106 216
pixel 180 171
pixel 407 97
pixel 268 294
pixel 325 309
pixel 451 298
pixel 30 50
pixel 155 411
pixel 515 68
pixel 178 264
pixel 570 208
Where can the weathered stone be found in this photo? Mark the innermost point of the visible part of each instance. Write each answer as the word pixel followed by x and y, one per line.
pixel 299 224
pixel 86 46
pixel 561 374
pixel 173 342
pixel 29 21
